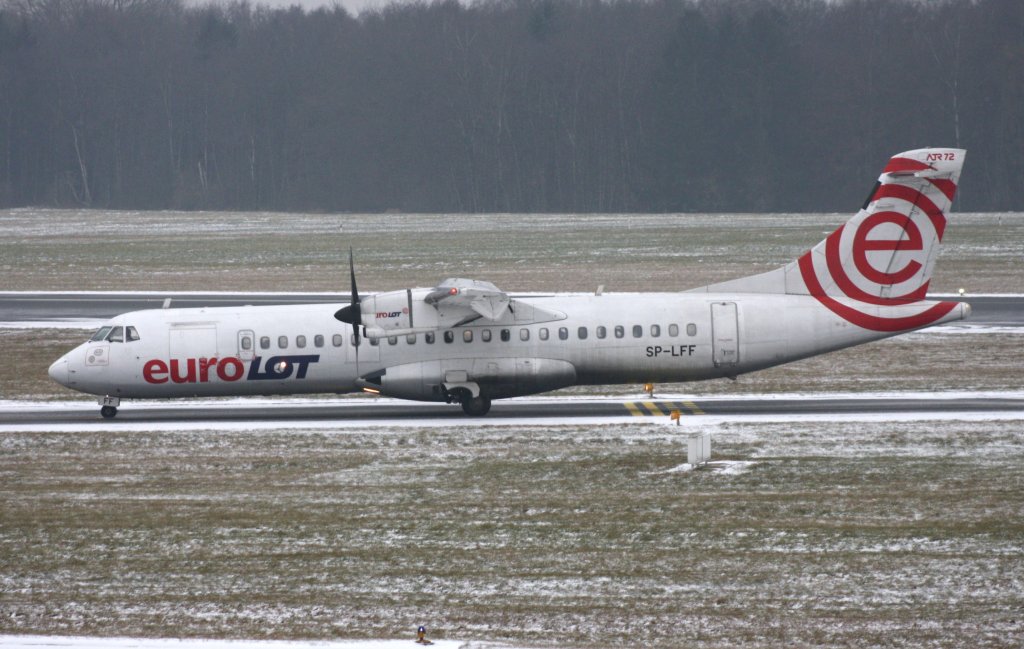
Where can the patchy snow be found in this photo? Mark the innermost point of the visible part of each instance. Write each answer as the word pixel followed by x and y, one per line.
pixel 685 467
pixel 962 328
pixel 53 324
pixel 721 467
pixel 72 642
pixel 731 467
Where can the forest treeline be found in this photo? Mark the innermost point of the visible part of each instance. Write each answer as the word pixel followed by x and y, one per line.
pixel 504 105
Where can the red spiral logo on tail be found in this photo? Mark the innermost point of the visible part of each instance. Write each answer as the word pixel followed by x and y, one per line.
pixel 880 258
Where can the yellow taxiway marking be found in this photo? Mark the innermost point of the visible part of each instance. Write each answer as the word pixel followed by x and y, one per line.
pixel 694 408
pixel 632 408
pixel 653 408
pixel 661 408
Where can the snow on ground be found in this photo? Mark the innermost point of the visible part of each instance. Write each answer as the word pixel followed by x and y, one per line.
pixel 697 424
pixel 53 324
pixel 70 642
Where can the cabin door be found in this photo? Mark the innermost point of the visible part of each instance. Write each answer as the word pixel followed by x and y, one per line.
pixel 725 338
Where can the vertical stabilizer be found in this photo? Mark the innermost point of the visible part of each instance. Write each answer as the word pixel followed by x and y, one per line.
pixel 884 255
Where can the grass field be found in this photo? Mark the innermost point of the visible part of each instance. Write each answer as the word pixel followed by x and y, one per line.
pixel 820 534
pixel 94 250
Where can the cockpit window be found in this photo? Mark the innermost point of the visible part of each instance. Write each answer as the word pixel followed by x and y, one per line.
pixel 101 334
pixel 132 334
pixel 116 335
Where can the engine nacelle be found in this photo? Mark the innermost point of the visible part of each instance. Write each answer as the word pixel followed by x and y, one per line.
pixel 494 378
pixel 398 310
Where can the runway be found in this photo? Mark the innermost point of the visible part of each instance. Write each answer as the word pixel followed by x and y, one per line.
pixel 526 410
pixel 988 310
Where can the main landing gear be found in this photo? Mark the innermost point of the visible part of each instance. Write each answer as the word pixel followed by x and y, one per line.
pixel 476 406
pixel 108 412
pixel 462 394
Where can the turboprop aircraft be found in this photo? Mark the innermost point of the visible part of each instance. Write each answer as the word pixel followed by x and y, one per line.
pixel 466 341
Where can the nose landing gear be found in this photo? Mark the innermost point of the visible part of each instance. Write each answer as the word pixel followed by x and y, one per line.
pixel 108 406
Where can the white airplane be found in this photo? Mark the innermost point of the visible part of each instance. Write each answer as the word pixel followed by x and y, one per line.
pixel 467 342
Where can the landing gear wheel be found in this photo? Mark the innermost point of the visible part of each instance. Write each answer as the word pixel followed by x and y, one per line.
pixel 108 412
pixel 477 406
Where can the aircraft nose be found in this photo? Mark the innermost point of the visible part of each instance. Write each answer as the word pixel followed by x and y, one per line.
pixel 59 371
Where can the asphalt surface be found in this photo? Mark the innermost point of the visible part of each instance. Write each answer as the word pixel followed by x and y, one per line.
pixel 515 409
pixel 996 311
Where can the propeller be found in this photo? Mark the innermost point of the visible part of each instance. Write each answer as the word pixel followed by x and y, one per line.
pixel 353 313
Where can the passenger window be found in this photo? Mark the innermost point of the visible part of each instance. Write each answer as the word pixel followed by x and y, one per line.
pixel 638 331
pixel 505 335
pixel 337 339
pixel 543 333
pixel 655 331
pixel 300 341
pixel 601 332
pixel 265 342
pixel 354 343
pixel 449 336
pixel 620 331
pixel 691 329
pixel 429 337
pixel 101 334
pixel 117 335
pixel 467 336
pixel 392 340
pixel 282 342
pixel 673 330
pixel 563 333
pixel 246 343
pixel 410 339
pixel 524 334
pixel 582 333
pixel 485 335
pixel 318 341
pixel 374 342
pixel 132 335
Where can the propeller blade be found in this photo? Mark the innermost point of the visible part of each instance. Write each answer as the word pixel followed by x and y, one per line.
pixel 353 313
pixel 352 274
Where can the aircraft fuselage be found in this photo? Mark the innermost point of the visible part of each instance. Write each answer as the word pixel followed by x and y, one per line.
pixel 577 340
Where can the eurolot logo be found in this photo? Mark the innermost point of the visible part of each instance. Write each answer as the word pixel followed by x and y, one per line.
pixel 383 315
pixel 228 369
pixel 885 251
